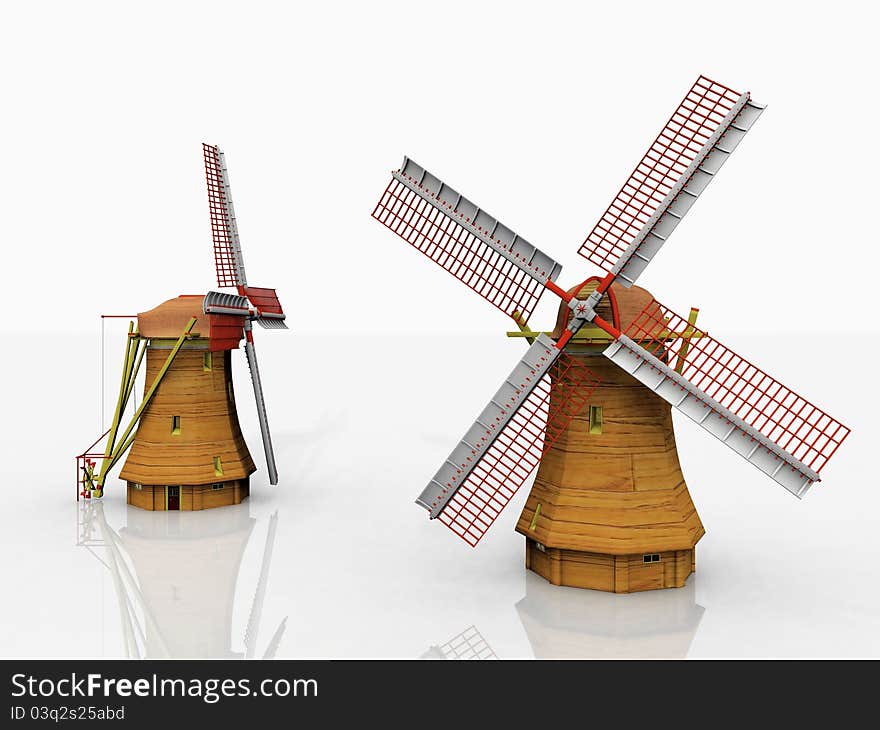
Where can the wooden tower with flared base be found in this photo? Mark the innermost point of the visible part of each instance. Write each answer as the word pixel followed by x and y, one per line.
pixel 188 452
pixel 609 508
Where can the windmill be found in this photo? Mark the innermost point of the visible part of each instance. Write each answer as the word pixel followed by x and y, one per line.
pixel 590 402
pixel 186 446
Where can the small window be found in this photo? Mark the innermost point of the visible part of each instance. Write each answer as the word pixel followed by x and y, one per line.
pixel 595 420
pixel 218 467
pixel 651 558
pixel 207 361
pixel 175 425
pixel 216 487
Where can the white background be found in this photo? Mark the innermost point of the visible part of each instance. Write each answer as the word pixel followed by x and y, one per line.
pixel 537 113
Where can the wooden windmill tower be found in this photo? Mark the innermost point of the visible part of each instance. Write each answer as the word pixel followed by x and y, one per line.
pixel 187 451
pixel 591 401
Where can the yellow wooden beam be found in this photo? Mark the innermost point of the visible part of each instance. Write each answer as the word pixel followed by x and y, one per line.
pixel 524 330
pixel 686 338
pixel 590 334
pixel 120 403
pixel 585 333
pixel 124 440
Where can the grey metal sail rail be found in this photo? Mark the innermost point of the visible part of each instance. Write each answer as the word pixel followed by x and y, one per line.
pixel 471 217
pixel 501 408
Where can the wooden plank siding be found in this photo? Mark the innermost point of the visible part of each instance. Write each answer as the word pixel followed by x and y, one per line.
pixel 198 497
pixel 204 402
pixel 609 498
pixel 612 573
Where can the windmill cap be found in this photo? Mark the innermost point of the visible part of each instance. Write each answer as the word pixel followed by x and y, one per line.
pixel 169 319
pixel 620 307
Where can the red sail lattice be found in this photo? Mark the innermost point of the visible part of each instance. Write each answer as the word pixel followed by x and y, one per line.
pixel 806 432
pixel 457 250
pixel 224 255
pixel 668 157
pixel 510 460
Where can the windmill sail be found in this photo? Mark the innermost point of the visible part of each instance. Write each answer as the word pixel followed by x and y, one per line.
pixel 504 445
pixel 228 259
pixel 268 308
pixel 690 149
pixel 476 248
pixel 251 354
pixel 255 303
pixel 216 302
pixel 771 426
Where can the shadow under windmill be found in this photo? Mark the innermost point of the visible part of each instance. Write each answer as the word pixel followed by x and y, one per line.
pixel 175 576
pixel 572 623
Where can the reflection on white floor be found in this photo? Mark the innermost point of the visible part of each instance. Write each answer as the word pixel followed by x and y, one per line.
pixel 175 576
pixel 469 644
pixel 570 623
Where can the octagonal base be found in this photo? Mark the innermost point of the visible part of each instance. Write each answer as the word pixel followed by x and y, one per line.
pixel 613 573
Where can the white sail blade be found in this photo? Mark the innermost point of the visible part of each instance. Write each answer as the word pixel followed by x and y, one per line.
pixel 458 235
pixel 261 403
pixel 691 148
pixel 768 424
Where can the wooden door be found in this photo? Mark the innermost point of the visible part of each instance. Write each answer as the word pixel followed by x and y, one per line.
pixel 172 500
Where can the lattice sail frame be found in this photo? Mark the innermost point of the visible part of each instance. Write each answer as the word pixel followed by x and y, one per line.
pixel 228 259
pixel 692 146
pixel 480 479
pixel 459 236
pixel 741 404
pixel 229 263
